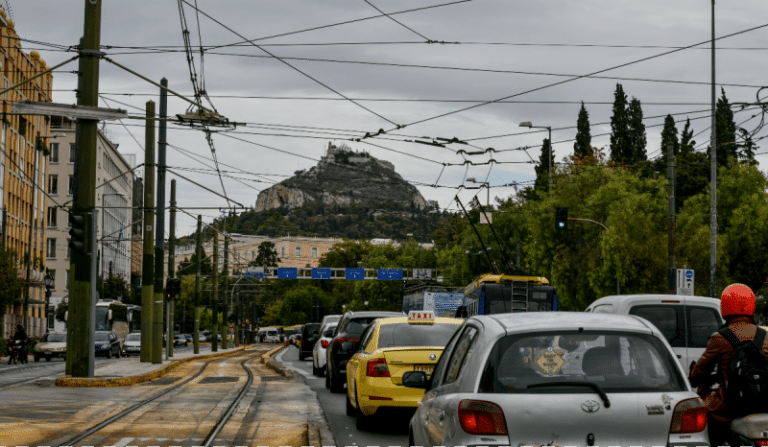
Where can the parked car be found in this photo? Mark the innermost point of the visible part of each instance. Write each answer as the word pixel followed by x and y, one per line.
pixel 53 344
pixel 188 337
pixel 107 344
pixel 319 350
pixel 351 325
pixel 330 319
pixel 179 339
pixel 132 344
pixel 201 337
pixel 389 348
pixel 565 378
pixel 309 335
pixel 686 322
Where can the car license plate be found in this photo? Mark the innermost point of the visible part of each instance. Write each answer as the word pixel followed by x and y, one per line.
pixel 47 352
pixel 428 368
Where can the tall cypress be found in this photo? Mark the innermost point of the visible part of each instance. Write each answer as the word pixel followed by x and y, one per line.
pixel 727 149
pixel 686 139
pixel 542 168
pixel 583 145
pixel 669 135
pixel 620 142
pixel 636 132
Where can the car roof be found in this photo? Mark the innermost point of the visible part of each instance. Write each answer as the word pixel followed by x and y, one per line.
pixel 400 320
pixel 615 299
pixel 533 321
pixel 373 313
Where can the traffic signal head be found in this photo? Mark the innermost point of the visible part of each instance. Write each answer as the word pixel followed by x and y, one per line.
pixel 561 219
pixel 169 288
pixel 79 233
pixel 176 288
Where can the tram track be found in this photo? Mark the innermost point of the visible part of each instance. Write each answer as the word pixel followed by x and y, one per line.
pixel 221 421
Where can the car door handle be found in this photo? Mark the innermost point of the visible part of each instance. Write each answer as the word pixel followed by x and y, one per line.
pixel 679 356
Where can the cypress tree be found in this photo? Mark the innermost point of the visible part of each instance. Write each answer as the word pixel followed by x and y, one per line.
pixel 686 139
pixel 669 135
pixel 636 132
pixel 583 145
pixel 542 168
pixel 620 143
pixel 727 149
pixel 748 147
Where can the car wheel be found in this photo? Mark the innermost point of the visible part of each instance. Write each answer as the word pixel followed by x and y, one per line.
pixel 362 421
pixel 411 441
pixel 337 385
pixel 37 358
pixel 327 378
pixel 48 359
pixel 350 408
pixel 315 372
pixel 109 353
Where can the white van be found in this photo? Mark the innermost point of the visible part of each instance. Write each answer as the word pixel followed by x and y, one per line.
pixel 271 335
pixel 687 322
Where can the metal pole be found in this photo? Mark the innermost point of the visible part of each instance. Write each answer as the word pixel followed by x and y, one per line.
pixel 157 327
pixel 94 230
pixel 32 241
pixel 79 341
pixel 225 331
pixel 148 272
pixel 713 183
pixel 671 276
pixel 199 252
pixel 172 262
pixel 5 226
pixel 549 129
pixel 215 293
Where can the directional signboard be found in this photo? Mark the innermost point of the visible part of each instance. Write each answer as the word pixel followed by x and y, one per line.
pixel 685 282
pixel 321 273
pixel 254 275
pixel 390 274
pixel 287 273
pixel 356 274
pixel 422 273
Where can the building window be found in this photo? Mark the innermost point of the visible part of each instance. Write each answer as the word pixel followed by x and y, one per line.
pixel 51 315
pixel 53 184
pixel 51 247
pixel 282 251
pixel 298 251
pixel 71 185
pixel 314 252
pixel 253 255
pixel 54 153
pixel 52 215
pixel 66 281
pixel 69 249
pixel 72 152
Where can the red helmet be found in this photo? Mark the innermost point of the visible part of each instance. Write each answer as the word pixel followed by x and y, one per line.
pixel 737 299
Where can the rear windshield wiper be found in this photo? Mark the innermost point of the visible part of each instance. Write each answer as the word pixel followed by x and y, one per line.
pixel 594 386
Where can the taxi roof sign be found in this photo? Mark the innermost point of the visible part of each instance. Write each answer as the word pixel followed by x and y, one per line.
pixel 421 316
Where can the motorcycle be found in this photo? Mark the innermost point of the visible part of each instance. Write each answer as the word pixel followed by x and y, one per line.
pixel 750 430
pixel 17 350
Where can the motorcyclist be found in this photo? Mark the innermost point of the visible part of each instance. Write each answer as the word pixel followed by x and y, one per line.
pixel 22 336
pixel 737 306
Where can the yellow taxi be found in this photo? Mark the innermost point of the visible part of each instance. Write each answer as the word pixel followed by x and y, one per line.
pixel 389 348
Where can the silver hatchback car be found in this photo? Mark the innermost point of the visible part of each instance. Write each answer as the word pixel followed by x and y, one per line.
pixel 557 379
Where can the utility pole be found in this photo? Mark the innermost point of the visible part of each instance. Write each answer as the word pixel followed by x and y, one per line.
pixel 79 343
pixel 215 293
pixel 225 330
pixel 199 251
pixel 672 273
pixel 147 273
pixel 32 240
pixel 713 175
pixel 172 263
pixel 5 227
pixel 157 312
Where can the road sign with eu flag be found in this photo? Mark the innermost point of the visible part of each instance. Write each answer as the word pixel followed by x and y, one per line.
pixel 390 274
pixel 354 273
pixel 321 273
pixel 287 273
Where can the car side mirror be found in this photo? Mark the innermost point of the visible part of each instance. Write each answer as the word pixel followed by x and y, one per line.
pixel 328 333
pixel 416 379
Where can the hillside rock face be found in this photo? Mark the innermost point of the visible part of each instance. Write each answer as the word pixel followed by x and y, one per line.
pixel 343 178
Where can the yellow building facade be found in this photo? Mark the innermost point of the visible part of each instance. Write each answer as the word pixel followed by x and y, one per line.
pixel 23 170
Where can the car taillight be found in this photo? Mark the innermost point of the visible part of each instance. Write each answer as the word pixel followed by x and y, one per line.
pixel 378 368
pixel 761 442
pixel 690 416
pixel 324 344
pixel 343 339
pixel 481 418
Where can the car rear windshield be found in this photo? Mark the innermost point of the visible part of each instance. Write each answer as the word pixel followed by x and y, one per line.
pixel 271 333
pixel 311 328
pixel 404 334
pixel 133 337
pixel 358 325
pixel 56 338
pixel 102 337
pixel 615 361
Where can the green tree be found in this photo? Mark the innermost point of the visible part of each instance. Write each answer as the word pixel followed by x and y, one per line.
pixel 727 148
pixel 114 287
pixel 669 136
pixel 61 310
pixel 345 254
pixel 188 267
pixel 266 255
pixel 543 167
pixel 621 143
pixel 687 144
pixel 583 145
pixel 11 286
pixel 636 132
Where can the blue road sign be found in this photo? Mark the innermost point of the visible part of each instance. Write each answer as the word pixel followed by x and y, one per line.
pixel 287 273
pixel 390 274
pixel 254 275
pixel 689 273
pixel 352 273
pixel 321 273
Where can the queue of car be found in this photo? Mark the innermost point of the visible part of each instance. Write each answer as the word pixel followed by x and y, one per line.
pixel 614 375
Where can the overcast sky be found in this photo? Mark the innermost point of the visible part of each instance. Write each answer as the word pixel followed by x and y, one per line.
pixel 493 49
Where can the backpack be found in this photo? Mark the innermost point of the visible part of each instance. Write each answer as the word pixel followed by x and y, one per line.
pixel 746 391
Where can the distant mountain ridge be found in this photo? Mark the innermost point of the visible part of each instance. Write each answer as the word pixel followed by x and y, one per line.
pixel 344 178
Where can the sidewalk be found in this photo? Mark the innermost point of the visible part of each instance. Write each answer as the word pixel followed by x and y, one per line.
pixel 132 371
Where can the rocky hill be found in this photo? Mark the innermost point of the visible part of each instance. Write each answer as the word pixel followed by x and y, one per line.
pixel 343 178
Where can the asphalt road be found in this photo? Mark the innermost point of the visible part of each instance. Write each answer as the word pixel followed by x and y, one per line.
pixel 390 429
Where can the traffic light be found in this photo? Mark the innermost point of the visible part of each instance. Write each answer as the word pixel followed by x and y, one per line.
pixel 79 233
pixel 169 288
pixel 173 288
pixel 561 219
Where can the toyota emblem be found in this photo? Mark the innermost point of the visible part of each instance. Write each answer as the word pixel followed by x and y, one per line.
pixel 432 356
pixel 590 406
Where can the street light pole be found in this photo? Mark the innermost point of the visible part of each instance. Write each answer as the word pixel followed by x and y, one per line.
pixel 529 125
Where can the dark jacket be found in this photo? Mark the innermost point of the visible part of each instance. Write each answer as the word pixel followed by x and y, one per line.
pixel 718 353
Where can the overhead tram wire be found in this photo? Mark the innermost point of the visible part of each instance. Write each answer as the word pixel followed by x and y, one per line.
pixel 626 64
pixel 292 67
pixel 399 23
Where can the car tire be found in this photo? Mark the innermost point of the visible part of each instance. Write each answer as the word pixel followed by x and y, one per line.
pixel 37 358
pixel 327 377
pixel 337 386
pixel 48 358
pixel 362 422
pixel 109 353
pixel 315 371
pixel 350 408
pixel 301 356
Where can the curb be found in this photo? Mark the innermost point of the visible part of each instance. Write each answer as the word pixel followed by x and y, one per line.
pixel 85 382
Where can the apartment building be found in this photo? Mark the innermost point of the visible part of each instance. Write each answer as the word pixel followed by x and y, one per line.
pixel 114 201
pixel 23 176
